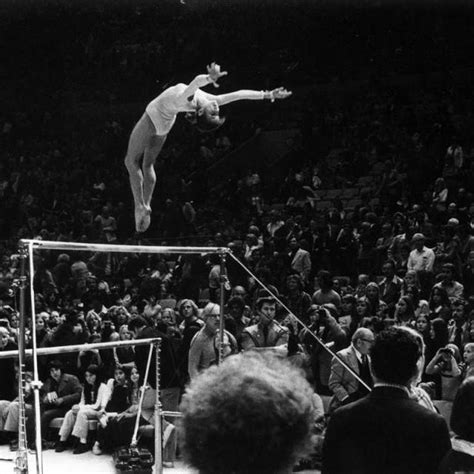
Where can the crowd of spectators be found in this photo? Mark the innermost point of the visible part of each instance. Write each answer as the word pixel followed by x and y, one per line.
pixel 365 223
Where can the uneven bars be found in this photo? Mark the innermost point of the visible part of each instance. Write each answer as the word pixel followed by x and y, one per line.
pixel 81 347
pixel 91 247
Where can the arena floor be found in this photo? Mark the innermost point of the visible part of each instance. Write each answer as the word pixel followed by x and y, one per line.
pixel 88 463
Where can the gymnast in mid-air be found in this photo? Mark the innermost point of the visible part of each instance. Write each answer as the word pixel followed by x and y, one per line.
pixel 150 132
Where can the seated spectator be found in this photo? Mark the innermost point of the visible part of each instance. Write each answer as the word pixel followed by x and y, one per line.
pixel 458 321
pixel 70 332
pixel 9 413
pixel 89 356
pixel 275 411
pixel 461 456
pixel 468 329
pixel 236 321
pixel 94 399
pixel 297 300
pixel 453 288
pixel 372 293
pixel 119 429
pixel 468 274
pixel 7 366
pixel 168 326
pixel 405 312
pixel 423 326
pixel 348 303
pixel 391 286
pixel 417 439
pixel 344 386
pixel 124 356
pixel 300 260
pixel 440 196
pixel 410 280
pixel 58 395
pixel 440 305
pixel 118 390
pixel 152 308
pixel 468 355
pixel 363 312
pixel 423 308
pixel 326 294
pixel 362 282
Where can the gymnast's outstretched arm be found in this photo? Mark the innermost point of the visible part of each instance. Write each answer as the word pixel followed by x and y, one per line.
pixel 213 74
pixel 222 99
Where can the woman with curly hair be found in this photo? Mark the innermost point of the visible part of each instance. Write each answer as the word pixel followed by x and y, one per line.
pixel 252 414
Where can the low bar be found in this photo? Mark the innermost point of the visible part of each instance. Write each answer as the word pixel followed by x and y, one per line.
pixel 81 347
pixel 92 247
pixel 172 414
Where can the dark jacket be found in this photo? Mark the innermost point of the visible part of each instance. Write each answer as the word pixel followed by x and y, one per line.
pixel 68 388
pixel 8 384
pixel 385 433
pixel 169 374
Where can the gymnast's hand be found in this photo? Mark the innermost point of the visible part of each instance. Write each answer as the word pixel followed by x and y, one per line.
pixel 214 71
pixel 279 93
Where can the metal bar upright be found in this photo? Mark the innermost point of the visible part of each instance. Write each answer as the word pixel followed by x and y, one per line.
pixel 36 384
pixel 158 416
pixel 223 284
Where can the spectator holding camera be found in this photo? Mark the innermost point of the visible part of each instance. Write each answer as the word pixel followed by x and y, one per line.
pixel 446 363
pixel 327 328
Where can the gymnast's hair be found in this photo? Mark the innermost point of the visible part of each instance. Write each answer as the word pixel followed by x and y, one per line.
pixel 204 122
pixel 252 414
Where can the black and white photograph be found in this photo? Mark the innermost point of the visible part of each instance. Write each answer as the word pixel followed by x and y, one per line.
pixel 237 236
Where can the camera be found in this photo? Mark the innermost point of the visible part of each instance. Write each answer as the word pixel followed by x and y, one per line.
pixel 446 351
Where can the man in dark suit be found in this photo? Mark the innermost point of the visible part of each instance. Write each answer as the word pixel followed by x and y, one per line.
pixel 387 431
pixel 390 287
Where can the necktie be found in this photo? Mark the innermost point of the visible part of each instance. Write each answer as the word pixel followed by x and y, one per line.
pixel 265 334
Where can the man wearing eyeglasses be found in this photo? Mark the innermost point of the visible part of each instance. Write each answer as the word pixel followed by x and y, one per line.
pixel 388 431
pixel 204 348
pixel 345 387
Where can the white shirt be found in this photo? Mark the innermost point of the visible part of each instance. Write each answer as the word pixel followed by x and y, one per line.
pixel 421 260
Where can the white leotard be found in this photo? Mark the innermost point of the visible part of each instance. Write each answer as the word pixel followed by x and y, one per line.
pixel 164 109
pixel 185 98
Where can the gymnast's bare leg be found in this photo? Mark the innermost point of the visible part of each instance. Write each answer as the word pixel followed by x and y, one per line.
pixel 143 148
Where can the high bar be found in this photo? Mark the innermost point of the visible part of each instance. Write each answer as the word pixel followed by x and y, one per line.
pixel 81 347
pixel 92 247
